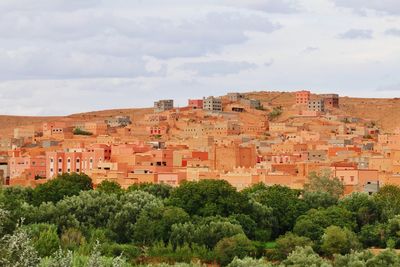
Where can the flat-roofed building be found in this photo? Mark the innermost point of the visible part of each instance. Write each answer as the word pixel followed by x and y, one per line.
pixel 163 105
pixel 212 103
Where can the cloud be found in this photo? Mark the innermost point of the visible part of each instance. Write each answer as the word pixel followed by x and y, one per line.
pixel 268 6
pixel 218 67
pixel 390 87
pixel 386 6
pixel 310 49
pixel 393 31
pixel 96 43
pixel 356 34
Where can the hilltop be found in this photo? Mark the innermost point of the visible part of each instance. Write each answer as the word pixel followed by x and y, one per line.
pixel 383 111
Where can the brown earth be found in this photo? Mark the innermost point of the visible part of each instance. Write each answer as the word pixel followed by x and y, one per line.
pixel 385 112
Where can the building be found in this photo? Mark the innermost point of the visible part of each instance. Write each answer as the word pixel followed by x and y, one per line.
pixel 251 103
pixel 163 105
pixel 235 97
pixel 195 103
pixel 330 100
pixel 316 105
pixel 24 132
pixel 119 121
pixel 212 103
pixel 303 97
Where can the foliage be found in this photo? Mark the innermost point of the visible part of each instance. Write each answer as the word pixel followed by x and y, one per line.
pixel 286 206
pixel 17 250
pixel 208 198
pixel 323 182
pixel 45 238
pixel 275 113
pixel 388 201
pixel 159 190
pixel 60 187
pixel 338 240
pixel 305 257
pixel 78 131
pixel 109 187
pixel 246 262
pixel 314 222
pixel 237 246
pixel 287 244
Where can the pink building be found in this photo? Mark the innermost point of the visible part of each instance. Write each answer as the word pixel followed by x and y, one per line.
pixel 195 103
pixel 302 97
pixel 26 166
pixel 79 161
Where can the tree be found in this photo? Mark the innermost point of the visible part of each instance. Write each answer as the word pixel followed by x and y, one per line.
pixel 90 208
pixel 363 207
pixel 353 259
pixel 286 206
pixel 60 187
pixel 373 235
pixel 246 262
pixel 314 222
pixel 337 240
pixel 323 182
pixel 208 198
pixel 388 200
pixel 132 204
pixel 17 250
pixel 72 239
pixel 387 258
pixel 159 190
pixel 287 244
pixel 212 230
pixel 45 238
pixel 109 187
pixel 315 200
pixel 305 257
pixel 237 246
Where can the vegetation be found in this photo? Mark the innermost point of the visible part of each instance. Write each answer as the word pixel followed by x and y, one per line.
pixel 64 222
pixel 275 113
pixel 79 131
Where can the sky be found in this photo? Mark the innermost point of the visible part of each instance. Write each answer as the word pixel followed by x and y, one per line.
pixel 59 57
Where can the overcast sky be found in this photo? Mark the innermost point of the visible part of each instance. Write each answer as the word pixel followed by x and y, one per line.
pixel 64 56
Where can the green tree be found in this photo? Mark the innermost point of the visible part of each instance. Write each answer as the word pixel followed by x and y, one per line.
pixel 315 200
pixel 353 259
pixel 305 257
pixel 373 235
pixel 237 246
pixel 387 258
pixel 323 182
pixel 60 187
pixel 388 200
pixel 287 244
pixel 286 206
pixel 159 190
pixel 363 207
pixel 17 250
pixel 45 238
pixel 109 187
pixel 132 204
pixel 246 262
pixel 208 198
pixel 314 222
pixel 337 240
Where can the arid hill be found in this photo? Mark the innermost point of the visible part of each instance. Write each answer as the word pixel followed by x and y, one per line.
pixel 385 112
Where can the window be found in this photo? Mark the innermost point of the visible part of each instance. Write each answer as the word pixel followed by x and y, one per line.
pixel 352 178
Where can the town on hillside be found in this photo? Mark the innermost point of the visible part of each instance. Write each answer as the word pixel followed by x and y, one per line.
pixel 243 138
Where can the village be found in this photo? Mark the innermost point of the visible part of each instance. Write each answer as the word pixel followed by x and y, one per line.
pixel 235 137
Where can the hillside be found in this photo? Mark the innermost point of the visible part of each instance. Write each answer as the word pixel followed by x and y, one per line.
pixel 383 111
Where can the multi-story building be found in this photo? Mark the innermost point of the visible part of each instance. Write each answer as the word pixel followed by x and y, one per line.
pixel 212 103
pixel 163 105
pixel 195 103
pixel 330 100
pixel 302 97
pixel 316 105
